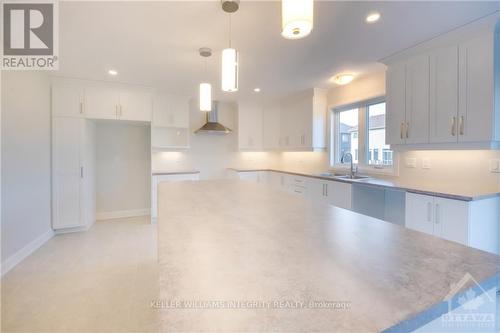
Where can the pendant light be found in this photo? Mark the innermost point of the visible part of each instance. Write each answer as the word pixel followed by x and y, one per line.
pixel 230 55
pixel 205 88
pixel 297 18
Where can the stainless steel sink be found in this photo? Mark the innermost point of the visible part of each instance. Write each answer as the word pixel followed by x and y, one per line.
pixel 342 176
pixel 349 177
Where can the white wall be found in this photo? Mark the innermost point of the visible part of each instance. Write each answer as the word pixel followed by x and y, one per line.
pixel 212 154
pixel 26 176
pixel 123 167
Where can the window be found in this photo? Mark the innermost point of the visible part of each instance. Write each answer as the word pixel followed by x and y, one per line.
pixel 376 135
pixel 360 130
pixel 347 133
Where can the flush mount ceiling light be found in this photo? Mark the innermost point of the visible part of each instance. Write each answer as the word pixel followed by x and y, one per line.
pixel 372 17
pixel 256 90
pixel 230 6
pixel 112 72
pixel 343 78
pixel 229 56
pixel 296 18
pixel 205 88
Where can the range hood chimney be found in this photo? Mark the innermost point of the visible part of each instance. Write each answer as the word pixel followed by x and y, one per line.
pixel 212 125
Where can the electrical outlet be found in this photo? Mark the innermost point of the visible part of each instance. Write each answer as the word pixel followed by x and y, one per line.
pixel 426 163
pixel 411 162
pixel 495 166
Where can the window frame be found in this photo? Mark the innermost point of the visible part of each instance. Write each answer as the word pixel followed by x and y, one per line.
pixel 363 139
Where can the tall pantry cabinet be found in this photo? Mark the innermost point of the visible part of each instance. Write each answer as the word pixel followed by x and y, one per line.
pixel 73 161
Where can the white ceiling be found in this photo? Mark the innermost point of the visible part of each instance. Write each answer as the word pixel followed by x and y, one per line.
pixel 156 43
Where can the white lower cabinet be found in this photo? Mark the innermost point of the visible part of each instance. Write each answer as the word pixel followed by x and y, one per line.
pixel 157 179
pixel 253 176
pixel 471 223
pixel 332 192
pixel 297 185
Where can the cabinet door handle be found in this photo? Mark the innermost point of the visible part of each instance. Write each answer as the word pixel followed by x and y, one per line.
pixel 429 212
pixel 461 125
pixel 326 190
pixel 401 129
pixel 81 107
pixel 407 130
pixel 116 110
pixel 453 125
pixel 81 172
pixel 436 214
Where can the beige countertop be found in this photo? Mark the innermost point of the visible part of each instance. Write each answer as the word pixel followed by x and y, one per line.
pixel 253 260
pixel 467 192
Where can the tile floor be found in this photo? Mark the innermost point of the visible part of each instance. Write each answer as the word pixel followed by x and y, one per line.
pixel 101 280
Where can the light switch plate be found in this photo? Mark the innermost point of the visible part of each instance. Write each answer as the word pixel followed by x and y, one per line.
pixel 426 163
pixel 411 162
pixel 495 166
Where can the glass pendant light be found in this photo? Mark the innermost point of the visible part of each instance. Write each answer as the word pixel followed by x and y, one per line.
pixel 297 18
pixel 205 88
pixel 229 63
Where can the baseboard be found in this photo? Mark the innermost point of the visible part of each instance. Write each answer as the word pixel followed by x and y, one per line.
pixel 74 229
pixel 20 255
pixel 123 214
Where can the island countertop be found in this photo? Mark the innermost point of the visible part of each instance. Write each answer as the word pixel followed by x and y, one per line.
pixel 238 256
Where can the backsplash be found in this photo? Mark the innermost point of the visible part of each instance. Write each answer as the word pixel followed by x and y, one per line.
pixel 469 167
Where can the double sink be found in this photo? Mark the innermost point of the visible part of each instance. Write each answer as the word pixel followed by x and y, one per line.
pixel 343 176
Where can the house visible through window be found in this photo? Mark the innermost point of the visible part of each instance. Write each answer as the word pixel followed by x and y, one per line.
pixel 360 130
pixel 376 135
pixel 348 134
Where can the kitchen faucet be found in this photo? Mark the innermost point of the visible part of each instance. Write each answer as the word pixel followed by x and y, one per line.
pixel 354 168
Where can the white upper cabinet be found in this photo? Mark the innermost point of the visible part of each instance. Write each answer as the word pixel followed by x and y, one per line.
pixel 102 102
pixel 271 126
pixel 476 90
pixel 395 103
pixel 443 91
pixel 170 122
pixel 303 121
pixel 408 101
pixel 417 100
pixel 135 105
pixel 250 129
pixel 296 123
pixel 444 94
pixel 97 100
pixel 67 99
pixel 170 111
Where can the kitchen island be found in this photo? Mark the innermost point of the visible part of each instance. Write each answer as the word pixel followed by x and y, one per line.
pixel 238 256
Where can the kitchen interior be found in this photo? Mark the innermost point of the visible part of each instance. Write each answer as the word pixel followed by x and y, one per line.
pixel 407 134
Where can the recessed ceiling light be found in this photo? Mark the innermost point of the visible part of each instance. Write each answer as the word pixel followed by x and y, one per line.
pixel 112 72
pixel 372 17
pixel 343 78
pixel 256 90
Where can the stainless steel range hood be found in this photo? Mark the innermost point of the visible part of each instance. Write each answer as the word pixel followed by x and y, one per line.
pixel 212 125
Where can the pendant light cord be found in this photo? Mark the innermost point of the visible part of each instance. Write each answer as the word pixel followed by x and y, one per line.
pixel 229 30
